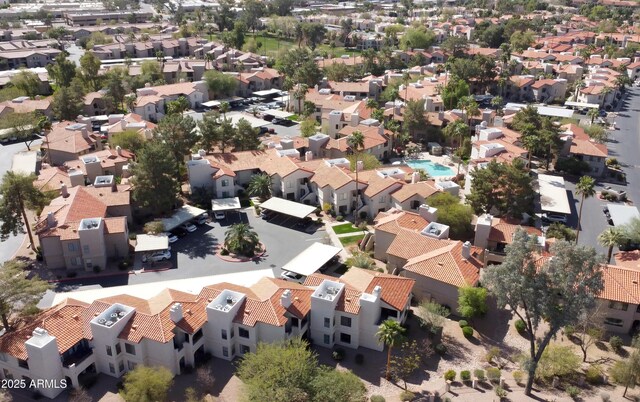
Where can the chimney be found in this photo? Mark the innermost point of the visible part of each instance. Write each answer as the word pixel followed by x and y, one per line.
pixel 123 124
pixel 308 156
pixel 285 298
pixel 430 214
pixel 85 133
pixel 376 291
pixel 63 190
pixel 175 312
pixel 466 250
pixel 202 153
pixel 415 177
pixel 51 220
pixel 441 115
pixel 381 129
pixel 359 166
pixel 397 109
pixel 119 150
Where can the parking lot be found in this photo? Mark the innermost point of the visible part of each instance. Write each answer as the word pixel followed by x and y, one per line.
pixel 194 254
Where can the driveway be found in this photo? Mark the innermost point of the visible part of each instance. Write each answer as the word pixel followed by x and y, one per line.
pixel 194 255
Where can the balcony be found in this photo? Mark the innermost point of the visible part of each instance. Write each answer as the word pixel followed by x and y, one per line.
pixel 77 357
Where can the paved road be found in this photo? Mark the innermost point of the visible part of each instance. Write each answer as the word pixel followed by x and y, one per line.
pixel 75 53
pixel 11 245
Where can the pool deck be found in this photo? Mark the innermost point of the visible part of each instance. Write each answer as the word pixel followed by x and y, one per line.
pixel 443 160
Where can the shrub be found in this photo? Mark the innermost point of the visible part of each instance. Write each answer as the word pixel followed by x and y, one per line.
pixel 359 358
pixel 605 397
pixel 450 375
pixel 501 392
pixel 518 376
pixel 520 326
pixel 132 236
pixel 593 375
pixel 339 218
pixel 338 354
pixel 465 375
pixel 493 374
pixel 616 343
pixel 377 398
pixel 558 361
pixel 569 330
pixel 96 269
pixel 224 251
pixel 492 354
pixel 573 392
pixel 479 374
pixel 363 215
pixel 463 323
pixel 467 332
pixel 72 274
pixel 572 166
pixel 407 396
pixel 440 349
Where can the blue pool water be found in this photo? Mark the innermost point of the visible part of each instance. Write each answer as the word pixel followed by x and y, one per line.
pixel 434 169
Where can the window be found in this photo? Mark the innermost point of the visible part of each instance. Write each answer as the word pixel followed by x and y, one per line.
pixel 109 350
pixel 243 333
pixel 614 305
pixel 89 264
pixel 85 248
pixel 131 365
pixel 327 322
pixel 225 194
pixel 71 246
pixel 342 196
pixel 112 368
pixel 121 367
pixel 224 334
pixel 118 349
pixel 289 184
pixel 233 333
pixel 225 351
pixel 345 338
pixel 76 261
pixel 225 183
pixel 383 198
pixel 130 348
pixel 327 339
pixel 345 321
pixel 244 349
pixel 616 322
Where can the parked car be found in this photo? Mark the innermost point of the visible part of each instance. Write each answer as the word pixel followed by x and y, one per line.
pixel 162 255
pixel 291 277
pixel 179 232
pixel 219 215
pixel 202 219
pixel 172 237
pixel 551 217
pixel 189 227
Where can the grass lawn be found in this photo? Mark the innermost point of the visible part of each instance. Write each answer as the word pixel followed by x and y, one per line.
pixel 349 240
pixel 295 117
pixel 345 228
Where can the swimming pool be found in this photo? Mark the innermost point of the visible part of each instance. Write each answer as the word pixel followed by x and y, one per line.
pixel 434 169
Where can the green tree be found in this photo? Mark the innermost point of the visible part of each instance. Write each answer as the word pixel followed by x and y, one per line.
pixel 610 238
pixel 220 85
pixel 457 130
pixel 390 333
pixel 18 292
pixel 225 15
pixel 455 45
pixel 521 40
pixel 334 385
pixel 252 11
pixel 260 185
pixel 28 82
pixel 299 66
pixel 557 291
pixel 417 38
pixel 356 144
pixel 453 92
pixel 57 33
pixel 308 127
pixel 414 118
pixel 404 364
pixel 313 33
pixel 178 132
pixel 433 315
pixel 89 68
pixel 62 71
pixel 128 139
pixel 472 301
pixel 453 214
pixel 592 114
pixel 560 231
pixel 17 193
pixel 178 106
pixel 627 372
pixel 558 361
pixel 154 227
pixel 589 330
pixel 146 384
pixel 241 239
pixel 114 81
pixel 235 38
pixel 246 137
pixel 585 188
pixel 507 188
pixel 22 126
pixel 367 160
pixel 154 183
pixel 67 102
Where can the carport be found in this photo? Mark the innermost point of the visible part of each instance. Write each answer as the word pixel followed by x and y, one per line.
pixel 311 259
pixel 622 214
pixel 267 93
pixel 553 194
pixel 280 114
pixel 226 204
pixel 182 215
pixel 286 207
pixel 147 243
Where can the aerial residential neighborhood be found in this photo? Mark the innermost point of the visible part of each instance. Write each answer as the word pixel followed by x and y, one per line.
pixel 299 200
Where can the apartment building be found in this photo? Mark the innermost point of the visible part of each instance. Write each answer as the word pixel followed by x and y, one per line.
pixel 90 18
pixel 108 162
pixel 85 226
pixel 579 145
pixel 619 306
pixel 68 141
pixel 27 58
pixel 151 101
pixel 24 104
pixel 182 47
pixel 549 90
pixel 175 329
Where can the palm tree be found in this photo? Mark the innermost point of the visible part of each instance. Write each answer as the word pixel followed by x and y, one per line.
pixel 592 114
pixel 260 186
pixel 457 129
pixel 241 239
pixel 356 143
pixel 390 332
pixel 406 77
pixel 531 144
pixel 371 104
pixel 605 91
pixel 208 59
pixel 585 189
pixel 299 94
pixel 468 106
pixel 611 237
pixel 577 85
pixel 224 108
